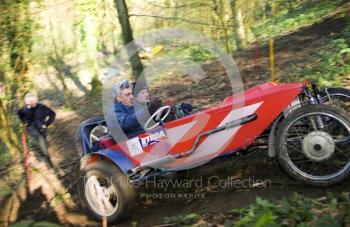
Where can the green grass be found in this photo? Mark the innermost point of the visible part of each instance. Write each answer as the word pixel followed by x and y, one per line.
pixel 11 175
pixel 296 211
pixel 183 220
pixel 179 57
pixel 5 156
pixel 5 189
pixel 191 52
pixel 285 21
pixel 331 210
pixel 32 223
pixel 330 66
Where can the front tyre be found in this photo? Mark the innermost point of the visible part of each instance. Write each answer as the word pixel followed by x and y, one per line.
pixel 313 145
pixel 105 191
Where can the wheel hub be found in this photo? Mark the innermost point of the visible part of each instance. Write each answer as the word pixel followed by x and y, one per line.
pixel 99 196
pixel 318 146
pixel 106 193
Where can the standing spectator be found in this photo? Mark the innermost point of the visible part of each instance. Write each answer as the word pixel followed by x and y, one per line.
pixel 37 117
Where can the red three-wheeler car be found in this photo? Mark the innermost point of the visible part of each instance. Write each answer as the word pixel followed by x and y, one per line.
pixel 308 135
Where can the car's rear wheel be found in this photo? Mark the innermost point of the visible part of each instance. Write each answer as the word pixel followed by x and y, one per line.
pixel 313 145
pixel 106 192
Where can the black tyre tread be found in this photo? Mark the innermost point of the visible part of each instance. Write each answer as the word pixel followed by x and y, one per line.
pixel 297 113
pixel 337 90
pixel 127 195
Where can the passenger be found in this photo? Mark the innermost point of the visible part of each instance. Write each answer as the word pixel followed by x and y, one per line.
pixel 144 99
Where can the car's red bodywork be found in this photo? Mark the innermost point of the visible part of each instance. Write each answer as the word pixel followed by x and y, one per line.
pixel 308 137
pixel 267 101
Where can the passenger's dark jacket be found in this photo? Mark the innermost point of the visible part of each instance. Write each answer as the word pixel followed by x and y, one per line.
pixel 129 119
pixel 36 117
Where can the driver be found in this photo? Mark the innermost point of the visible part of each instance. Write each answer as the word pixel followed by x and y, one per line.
pixel 127 117
pixel 130 112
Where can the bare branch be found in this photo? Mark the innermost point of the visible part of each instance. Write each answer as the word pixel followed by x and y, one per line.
pixel 175 18
pixel 194 5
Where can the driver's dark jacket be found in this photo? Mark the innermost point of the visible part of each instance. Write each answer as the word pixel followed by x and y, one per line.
pixel 129 119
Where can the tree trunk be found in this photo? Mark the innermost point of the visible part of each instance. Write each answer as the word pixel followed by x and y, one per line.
pixel 16 42
pixel 235 24
pixel 219 12
pixel 56 61
pixel 8 135
pixel 241 29
pixel 249 20
pixel 123 16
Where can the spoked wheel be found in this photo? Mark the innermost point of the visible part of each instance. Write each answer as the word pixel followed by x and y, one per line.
pixel 105 192
pixel 339 97
pixel 314 145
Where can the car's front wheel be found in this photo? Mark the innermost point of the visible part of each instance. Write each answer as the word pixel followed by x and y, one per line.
pixel 105 192
pixel 314 145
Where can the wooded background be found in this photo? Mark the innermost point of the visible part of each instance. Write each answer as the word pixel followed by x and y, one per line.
pixel 67 42
pixel 60 48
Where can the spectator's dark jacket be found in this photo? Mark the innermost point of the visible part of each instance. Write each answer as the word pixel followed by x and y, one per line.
pixel 36 117
pixel 129 119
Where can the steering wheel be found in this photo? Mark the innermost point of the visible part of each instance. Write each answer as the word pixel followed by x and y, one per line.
pixel 157 117
pixel 97 133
